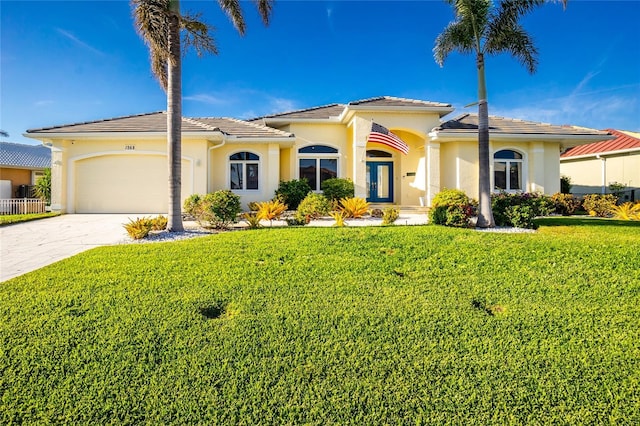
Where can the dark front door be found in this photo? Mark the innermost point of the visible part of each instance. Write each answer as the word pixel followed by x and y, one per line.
pixel 380 181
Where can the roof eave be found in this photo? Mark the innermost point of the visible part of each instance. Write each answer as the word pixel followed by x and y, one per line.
pixel 438 134
pixel 442 110
pixel 600 154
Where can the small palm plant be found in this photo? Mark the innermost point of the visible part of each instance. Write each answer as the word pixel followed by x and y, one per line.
pixel 626 211
pixel 355 207
pixel 270 210
pixel 339 218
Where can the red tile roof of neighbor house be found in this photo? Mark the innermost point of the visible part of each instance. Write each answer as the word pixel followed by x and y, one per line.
pixel 622 142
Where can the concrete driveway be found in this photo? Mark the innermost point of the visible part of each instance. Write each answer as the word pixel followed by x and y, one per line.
pixel 31 245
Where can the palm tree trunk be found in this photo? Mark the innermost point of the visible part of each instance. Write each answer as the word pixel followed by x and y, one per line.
pixel 174 121
pixel 485 215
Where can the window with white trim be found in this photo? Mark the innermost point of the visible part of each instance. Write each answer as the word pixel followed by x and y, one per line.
pixel 317 163
pixel 243 171
pixel 508 170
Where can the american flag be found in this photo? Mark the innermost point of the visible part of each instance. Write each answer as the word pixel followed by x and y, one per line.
pixel 380 134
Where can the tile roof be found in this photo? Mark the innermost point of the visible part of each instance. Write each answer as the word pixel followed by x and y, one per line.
pixel 242 129
pixel 22 155
pixel 623 141
pixel 391 101
pixel 323 112
pixel 468 123
pixel 157 122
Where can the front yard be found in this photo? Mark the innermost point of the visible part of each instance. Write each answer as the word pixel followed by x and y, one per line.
pixel 391 325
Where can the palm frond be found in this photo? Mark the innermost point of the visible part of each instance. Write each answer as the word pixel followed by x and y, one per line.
pixel 506 35
pixel 265 8
pixel 457 36
pixel 152 24
pixel 233 9
pixel 197 35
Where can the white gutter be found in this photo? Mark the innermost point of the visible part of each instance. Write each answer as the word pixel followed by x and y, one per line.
pixel 600 154
pixel 522 136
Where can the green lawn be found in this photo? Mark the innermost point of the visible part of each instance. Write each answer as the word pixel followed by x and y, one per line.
pixel 17 218
pixel 385 325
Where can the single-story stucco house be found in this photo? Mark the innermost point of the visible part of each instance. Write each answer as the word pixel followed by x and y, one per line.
pixel 595 166
pixel 119 165
pixel 20 167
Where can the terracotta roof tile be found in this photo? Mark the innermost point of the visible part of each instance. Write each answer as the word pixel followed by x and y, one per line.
pixel 468 123
pixel 623 141
pixel 22 155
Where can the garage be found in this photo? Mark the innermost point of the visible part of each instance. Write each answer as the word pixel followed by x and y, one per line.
pixel 126 183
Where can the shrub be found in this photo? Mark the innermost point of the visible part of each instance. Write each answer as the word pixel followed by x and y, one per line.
pixel 270 210
pixel 626 211
pixel 541 205
pixel 617 188
pixel 565 204
pixel 253 206
pixel 139 228
pixel 521 216
pixel 450 197
pixel 336 189
pixel 598 204
pixel 451 207
pixel 565 184
pixel 292 192
pixel 252 219
pixel 218 209
pixel 454 215
pixel 312 207
pixel 390 215
pixel 159 223
pixel 43 186
pixel 355 207
pixel 192 204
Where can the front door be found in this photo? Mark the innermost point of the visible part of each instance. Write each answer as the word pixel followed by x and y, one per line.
pixel 380 181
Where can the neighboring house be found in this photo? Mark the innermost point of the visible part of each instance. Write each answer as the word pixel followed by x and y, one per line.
pixel 119 165
pixel 595 166
pixel 20 167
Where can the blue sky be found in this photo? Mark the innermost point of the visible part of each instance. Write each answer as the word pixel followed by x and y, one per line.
pixel 65 62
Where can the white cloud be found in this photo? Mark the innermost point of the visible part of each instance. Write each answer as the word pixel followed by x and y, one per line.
pixel 43 103
pixel 208 99
pixel 79 42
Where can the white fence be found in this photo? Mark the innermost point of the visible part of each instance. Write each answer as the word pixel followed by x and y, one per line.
pixel 21 206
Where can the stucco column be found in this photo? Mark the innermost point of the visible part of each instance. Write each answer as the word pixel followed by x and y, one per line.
pixel 58 196
pixel 273 168
pixel 361 129
pixel 536 167
pixel 432 175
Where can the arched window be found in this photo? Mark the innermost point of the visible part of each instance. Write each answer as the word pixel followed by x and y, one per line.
pixel 317 163
pixel 507 170
pixel 243 171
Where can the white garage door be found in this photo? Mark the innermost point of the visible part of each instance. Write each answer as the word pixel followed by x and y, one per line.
pixel 125 184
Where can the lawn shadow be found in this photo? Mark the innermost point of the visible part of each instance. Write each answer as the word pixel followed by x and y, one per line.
pixel 584 221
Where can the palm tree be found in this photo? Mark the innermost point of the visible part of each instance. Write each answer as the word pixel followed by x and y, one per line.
pixel 160 24
pixel 482 27
pixel 4 134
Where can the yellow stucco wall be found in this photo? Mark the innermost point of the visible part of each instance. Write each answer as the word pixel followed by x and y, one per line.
pixel 70 160
pixel 587 173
